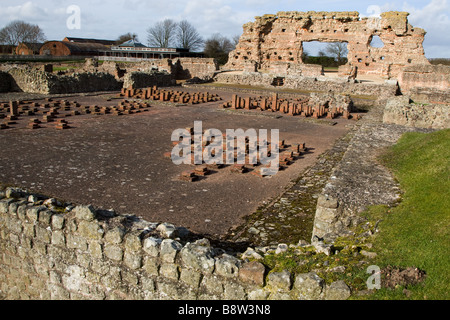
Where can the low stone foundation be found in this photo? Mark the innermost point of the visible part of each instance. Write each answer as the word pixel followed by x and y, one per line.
pixel 378 92
pixel 401 111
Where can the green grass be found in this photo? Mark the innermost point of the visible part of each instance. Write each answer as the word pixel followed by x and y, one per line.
pixel 416 232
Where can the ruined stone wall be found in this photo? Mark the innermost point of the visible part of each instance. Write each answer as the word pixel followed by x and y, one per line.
pixel 36 81
pixel 375 92
pixel 359 180
pixel 279 38
pixel 138 80
pixel 5 82
pixel 435 77
pixel 50 251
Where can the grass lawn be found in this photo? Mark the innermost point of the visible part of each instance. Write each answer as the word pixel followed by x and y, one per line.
pixel 416 232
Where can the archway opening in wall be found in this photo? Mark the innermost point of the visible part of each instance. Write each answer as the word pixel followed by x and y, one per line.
pixel 376 42
pixel 330 55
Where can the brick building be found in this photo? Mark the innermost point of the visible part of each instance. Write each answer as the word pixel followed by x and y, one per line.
pixel 28 48
pixel 64 48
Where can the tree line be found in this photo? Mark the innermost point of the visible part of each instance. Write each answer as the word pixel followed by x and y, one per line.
pixel 171 34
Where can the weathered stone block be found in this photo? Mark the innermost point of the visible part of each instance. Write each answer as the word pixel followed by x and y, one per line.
pixel 45 216
pixel 114 236
pixel 227 266
pixel 280 280
pixel 151 266
pixel 253 273
pixel 58 238
pixel 169 250
pixel 309 286
pixel 43 234
pixel 86 213
pixel 132 259
pixel 198 257
pixel 58 221
pixel 90 230
pixel 337 291
pixel 113 252
pixel 234 291
pixel 133 242
pixel 169 270
pixel 151 246
pixel 191 277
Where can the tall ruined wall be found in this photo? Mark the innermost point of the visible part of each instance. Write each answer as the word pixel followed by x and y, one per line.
pixel 280 38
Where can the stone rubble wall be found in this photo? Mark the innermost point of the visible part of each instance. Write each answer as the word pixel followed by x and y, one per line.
pixel 36 81
pixel 359 180
pixel 378 92
pixel 55 251
pixel 401 111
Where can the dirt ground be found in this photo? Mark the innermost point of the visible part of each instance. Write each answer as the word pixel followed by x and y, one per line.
pixel 117 162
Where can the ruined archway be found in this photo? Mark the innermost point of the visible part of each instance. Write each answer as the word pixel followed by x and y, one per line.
pixel 274 42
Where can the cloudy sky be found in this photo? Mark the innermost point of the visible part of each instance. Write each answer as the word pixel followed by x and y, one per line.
pixel 108 19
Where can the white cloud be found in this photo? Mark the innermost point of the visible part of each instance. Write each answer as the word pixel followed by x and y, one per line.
pixel 435 19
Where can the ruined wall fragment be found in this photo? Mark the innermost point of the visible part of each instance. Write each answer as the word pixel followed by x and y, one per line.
pixel 279 38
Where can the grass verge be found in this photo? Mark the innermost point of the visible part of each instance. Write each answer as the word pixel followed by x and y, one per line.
pixel 416 232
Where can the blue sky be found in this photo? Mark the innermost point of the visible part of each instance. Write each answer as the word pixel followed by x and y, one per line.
pixel 109 19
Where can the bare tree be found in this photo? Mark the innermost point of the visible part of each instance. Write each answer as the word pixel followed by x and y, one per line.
pixel 126 37
pixel 162 34
pixel 218 46
pixel 236 39
pixel 338 50
pixel 19 31
pixel 188 37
